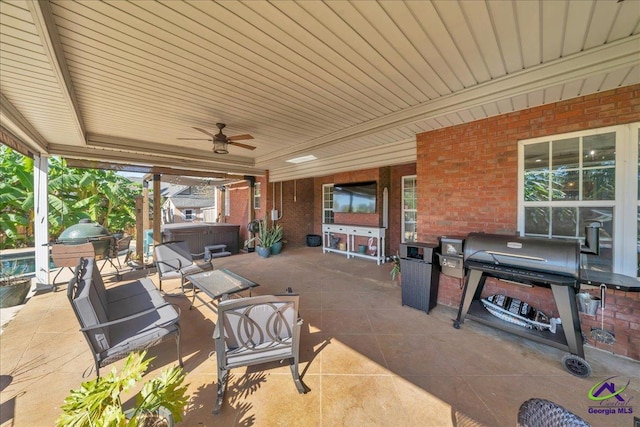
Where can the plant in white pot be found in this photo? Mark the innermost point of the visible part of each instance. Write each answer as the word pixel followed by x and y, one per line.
pixel 98 402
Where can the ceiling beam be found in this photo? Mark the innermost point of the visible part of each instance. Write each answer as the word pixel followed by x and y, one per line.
pixel 48 32
pixel 14 122
pixel 150 160
pixel 121 167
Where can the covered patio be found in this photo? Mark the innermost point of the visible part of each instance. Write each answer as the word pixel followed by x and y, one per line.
pixel 440 97
pixel 367 359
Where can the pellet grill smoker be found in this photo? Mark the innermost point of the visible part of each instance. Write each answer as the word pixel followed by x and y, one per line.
pixel 528 261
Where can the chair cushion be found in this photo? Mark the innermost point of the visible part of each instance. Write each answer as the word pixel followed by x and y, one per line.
pixel 142 332
pixel 134 303
pixel 172 256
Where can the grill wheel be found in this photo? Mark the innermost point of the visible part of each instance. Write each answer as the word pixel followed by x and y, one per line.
pixel 576 365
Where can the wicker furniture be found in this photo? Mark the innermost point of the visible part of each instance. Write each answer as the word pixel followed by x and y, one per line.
pixel 545 413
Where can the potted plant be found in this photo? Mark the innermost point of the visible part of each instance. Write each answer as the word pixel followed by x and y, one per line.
pixel 14 284
pixel 98 402
pixel 265 237
pixel 395 270
pixel 276 237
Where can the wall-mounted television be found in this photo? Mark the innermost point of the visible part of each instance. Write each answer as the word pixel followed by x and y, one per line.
pixel 356 197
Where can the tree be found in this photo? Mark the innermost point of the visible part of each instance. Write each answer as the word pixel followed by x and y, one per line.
pixel 102 196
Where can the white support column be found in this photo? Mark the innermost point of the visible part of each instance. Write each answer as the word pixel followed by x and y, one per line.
pixel 41 220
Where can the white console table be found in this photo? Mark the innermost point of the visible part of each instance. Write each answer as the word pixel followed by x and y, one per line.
pixel 349 232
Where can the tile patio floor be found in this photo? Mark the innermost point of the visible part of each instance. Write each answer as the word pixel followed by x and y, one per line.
pixel 368 360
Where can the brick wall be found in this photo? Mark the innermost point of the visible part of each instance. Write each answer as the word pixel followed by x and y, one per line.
pixel 239 209
pixel 296 210
pixel 467 181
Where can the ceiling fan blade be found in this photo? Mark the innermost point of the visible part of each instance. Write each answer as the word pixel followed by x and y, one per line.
pixel 205 132
pixel 239 137
pixel 238 144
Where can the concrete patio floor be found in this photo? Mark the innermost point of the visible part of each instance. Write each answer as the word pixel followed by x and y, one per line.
pixel 368 360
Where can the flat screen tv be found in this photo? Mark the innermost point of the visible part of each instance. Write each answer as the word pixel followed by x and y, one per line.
pixel 357 197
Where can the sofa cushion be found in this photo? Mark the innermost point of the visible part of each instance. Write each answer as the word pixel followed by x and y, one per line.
pixel 89 309
pixel 142 332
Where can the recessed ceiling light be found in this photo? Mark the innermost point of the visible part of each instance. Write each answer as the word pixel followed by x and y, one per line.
pixel 302 159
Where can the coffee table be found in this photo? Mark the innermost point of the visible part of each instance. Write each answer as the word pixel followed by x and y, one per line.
pixel 218 284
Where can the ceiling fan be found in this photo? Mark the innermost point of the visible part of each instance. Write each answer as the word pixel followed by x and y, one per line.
pixel 221 140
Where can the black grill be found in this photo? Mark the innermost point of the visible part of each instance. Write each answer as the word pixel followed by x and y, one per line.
pixel 529 258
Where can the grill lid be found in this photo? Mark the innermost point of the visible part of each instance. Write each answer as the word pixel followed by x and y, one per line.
pixel 82 231
pixel 553 256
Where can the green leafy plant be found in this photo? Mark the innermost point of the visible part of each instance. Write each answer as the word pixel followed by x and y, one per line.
pixel 267 234
pixel 98 402
pixel 73 194
pixel 276 233
pixel 395 270
pixel 11 273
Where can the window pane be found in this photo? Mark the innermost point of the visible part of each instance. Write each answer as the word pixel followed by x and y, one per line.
pixel 566 153
pixel 564 222
pixel 566 185
pixel 328 217
pixel 604 216
pixel 599 150
pixel 536 157
pixel 409 206
pixel 409 198
pixel 598 184
pixel 536 221
pixel 410 234
pixel 536 186
pixel 327 204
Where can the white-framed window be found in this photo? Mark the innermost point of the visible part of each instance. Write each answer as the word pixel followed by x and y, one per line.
pixel 189 214
pixel 566 182
pixel 256 196
pixel 409 208
pixel 327 204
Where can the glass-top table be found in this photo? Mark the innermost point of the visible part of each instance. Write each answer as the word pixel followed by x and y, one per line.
pixel 218 284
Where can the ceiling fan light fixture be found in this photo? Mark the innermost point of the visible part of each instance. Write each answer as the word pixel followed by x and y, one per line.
pixel 220 147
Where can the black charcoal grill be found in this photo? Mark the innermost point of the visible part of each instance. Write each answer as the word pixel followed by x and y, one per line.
pixel 530 261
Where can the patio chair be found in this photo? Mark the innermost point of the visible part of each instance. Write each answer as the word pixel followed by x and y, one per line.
pixel 545 413
pixel 123 247
pixel 174 260
pixel 256 330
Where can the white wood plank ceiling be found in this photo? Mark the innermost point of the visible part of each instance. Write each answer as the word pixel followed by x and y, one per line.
pixel 349 82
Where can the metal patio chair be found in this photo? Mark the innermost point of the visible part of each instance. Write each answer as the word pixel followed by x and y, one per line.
pixel 256 330
pixel 174 260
